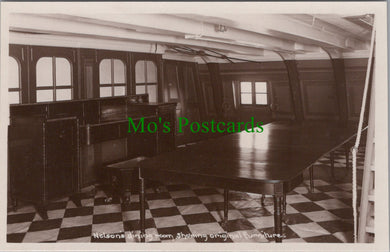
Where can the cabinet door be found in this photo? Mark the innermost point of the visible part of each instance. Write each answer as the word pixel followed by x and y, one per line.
pixel 61 157
pixel 25 163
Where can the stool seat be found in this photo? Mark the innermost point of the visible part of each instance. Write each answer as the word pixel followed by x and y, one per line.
pixel 122 177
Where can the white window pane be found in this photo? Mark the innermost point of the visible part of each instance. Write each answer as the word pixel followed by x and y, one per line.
pixel 140 89
pixel 246 87
pixel 13 98
pixel 140 72
pixel 152 91
pixel 119 91
pixel 63 94
pixel 105 71
pixel 261 99
pixel 151 69
pixel 63 72
pixel 119 71
pixel 13 73
pixel 45 72
pixel 44 95
pixel 173 91
pixel 246 99
pixel 261 87
pixel 105 92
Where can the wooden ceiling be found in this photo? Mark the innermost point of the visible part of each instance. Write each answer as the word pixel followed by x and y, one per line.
pixel 199 37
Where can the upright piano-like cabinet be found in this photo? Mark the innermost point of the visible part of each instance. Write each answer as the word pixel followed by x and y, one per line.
pixel 43 157
pixel 44 142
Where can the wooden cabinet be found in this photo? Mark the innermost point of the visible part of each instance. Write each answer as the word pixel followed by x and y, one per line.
pixel 45 141
pixel 43 159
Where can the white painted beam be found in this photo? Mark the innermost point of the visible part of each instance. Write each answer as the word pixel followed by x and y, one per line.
pixel 171 23
pixel 34 23
pixel 279 25
pixel 354 29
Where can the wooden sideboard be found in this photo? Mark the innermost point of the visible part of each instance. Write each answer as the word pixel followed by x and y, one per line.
pixel 45 139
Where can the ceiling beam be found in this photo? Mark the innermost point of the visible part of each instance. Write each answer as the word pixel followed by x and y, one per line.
pixel 357 31
pixel 293 29
pixel 170 23
pixel 49 25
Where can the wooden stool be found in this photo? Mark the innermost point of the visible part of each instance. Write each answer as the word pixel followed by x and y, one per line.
pixel 121 177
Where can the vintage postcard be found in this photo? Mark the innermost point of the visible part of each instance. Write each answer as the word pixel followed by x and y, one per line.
pixel 194 126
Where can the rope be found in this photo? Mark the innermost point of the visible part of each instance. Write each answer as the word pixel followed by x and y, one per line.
pixel 359 132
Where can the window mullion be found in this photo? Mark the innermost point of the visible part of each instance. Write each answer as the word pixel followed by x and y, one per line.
pixel 54 78
pixel 253 93
pixel 146 76
pixel 112 77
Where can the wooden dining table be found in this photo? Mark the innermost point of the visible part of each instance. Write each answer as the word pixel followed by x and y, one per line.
pixel 268 163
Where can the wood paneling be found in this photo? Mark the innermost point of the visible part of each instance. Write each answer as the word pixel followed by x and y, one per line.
pixel 295 89
pixel 317 74
pixel 355 77
pixel 341 88
pixel 319 99
pixel 216 84
pixel 281 99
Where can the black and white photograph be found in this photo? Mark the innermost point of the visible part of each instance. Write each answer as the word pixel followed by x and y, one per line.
pixel 171 125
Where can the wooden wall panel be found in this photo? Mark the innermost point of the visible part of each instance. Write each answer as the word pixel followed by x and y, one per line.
pixel 281 100
pixel 319 99
pixel 355 96
pixel 355 77
pixel 317 81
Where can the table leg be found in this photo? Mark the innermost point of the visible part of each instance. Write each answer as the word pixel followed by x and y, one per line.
pixel 278 218
pixel 346 156
pixel 284 204
pixel 311 172
pixel 142 208
pixel 14 204
pixel 332 164
pixel 226 205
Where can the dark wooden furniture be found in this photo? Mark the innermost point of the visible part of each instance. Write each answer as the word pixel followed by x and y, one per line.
pixel 43 159
pixel 270 163
pixel 44 142
pixel 121 176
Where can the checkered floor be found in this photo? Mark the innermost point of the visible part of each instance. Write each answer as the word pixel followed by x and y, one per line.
pixel 189 213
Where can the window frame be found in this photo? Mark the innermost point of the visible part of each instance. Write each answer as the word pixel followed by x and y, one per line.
pixel 146 83
pixel 253 93
pixel 113 84
pixel 19 89
pixel 54 87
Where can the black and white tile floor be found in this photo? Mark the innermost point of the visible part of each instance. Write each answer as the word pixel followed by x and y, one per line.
pixel 189 213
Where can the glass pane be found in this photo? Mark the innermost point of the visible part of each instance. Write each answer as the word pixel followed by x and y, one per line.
pixel 140 72
pixel 246 87
pixel 140 89
pixel 261 87
pixel 119 91
pixel 105 71
pixel 173 91
pixel 151 75
pixel 63 94
pixel 261 99
pixel 63 73
pixel 13 73
pixel 152 91
pixel 44 95
pixel 13 98
pixel 246 99
pixel 45 72
pixel 105 92
pixel 119 71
